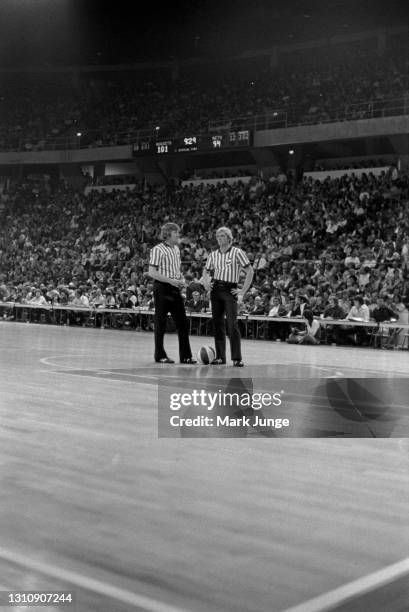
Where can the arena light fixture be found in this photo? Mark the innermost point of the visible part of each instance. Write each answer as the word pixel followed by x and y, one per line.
pixel 291 151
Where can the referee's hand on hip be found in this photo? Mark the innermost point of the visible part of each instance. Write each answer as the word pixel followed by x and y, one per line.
pixel 238 293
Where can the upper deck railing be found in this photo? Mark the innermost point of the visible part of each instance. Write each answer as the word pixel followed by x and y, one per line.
pixel 280 118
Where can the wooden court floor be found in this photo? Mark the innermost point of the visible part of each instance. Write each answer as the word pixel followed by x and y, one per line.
pixel 94 503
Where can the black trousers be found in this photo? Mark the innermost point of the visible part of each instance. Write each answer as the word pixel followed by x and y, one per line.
pixel 224 304
pixel 169 299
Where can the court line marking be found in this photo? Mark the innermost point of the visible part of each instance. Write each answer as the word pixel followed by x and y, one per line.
pixel 100 378
pixel 361 586
pixel 89 584
pixel 44 360
pixel 154 381
pixel 101 371
pixel 75 372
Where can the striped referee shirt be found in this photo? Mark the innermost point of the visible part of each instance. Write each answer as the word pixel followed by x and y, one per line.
pixel 226 266
pixel 166 259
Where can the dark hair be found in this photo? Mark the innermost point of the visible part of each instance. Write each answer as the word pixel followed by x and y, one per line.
pixel 308 314
pixel 359 299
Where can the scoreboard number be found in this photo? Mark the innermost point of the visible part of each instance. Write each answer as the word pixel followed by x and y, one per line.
pixel 200 142
pixel 163 147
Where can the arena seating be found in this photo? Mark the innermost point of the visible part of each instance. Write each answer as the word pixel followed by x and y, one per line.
pixel 43 111
pixel 307 241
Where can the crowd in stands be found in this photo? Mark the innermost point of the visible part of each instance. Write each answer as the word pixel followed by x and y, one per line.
pixel 110 109
pixel 326 247
pixel 217 174
pixel 355 165
pixel 118 179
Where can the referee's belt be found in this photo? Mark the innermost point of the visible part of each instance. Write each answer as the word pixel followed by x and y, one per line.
pixel 220 283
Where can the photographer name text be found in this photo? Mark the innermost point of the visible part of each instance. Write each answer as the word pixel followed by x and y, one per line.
pixel 226 421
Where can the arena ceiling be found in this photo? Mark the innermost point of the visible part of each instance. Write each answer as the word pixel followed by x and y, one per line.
pixel 49 32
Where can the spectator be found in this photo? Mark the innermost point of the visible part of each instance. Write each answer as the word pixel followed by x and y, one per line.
pixel 334 310
pixel 358 312
pixel 196 303
pixel 277 331
pixel 258 307
pixel 383 312
pixel 311 334
pixel 300 303
pixel 352 259
pixel 276 308
pixel 38 298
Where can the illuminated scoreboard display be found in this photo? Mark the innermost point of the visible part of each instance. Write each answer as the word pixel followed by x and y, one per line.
pixel 188 144
pixel 202 142
pixel 164 146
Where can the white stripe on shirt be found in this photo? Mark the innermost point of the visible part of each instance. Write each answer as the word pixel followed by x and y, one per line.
pixel 226 266
pixel 166 259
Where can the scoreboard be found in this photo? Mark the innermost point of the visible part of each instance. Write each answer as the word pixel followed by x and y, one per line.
pixel 201 142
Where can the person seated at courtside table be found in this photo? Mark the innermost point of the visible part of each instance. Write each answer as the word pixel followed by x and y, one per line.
pixel 38 300
pixel 97 300
pixel 197 304
pixel 258 307
pixel 80 300
pixel 383 312
pixel 333 311
pixel 357 335
pixel 300 304
pixel 278 330
pixel 311 334
pixel 317 305
pixel 110 301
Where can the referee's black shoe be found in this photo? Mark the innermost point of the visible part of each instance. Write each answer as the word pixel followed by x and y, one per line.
pixel 238 363
pixel 188 361
pixel 164 360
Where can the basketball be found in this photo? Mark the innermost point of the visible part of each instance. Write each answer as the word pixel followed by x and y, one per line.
pixel 206 354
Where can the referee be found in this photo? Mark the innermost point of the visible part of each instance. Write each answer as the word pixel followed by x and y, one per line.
pixel 164 268
pixel 221 275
